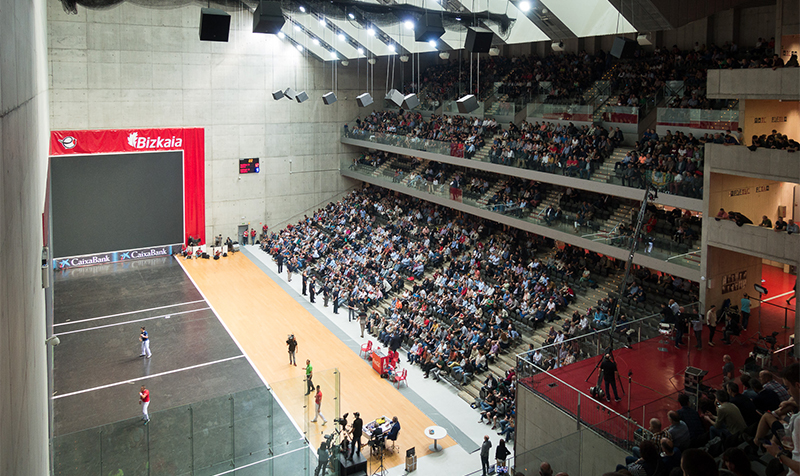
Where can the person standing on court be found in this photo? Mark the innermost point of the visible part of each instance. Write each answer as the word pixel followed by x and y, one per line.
pixel 485 448
pixel 335 297
pixel 305 281
pixel 351 308
pixel 711 322
pixel 144 401
pixel 362 320
pixel 291 342
pixel 244 237
pixel 144 338
pixel 326 294
pixel 609 369
pixel 357 431
pixel 501 453
pixel 309 375
pixel 253 236
pixel 279 260
pixel 311 289
pixel 317 406
pixel 745 311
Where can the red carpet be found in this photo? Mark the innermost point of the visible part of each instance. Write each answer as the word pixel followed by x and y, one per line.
pixel 657 376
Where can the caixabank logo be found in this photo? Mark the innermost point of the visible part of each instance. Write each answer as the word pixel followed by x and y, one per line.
pixel 145 253
pixel 112 257
pixel 142 142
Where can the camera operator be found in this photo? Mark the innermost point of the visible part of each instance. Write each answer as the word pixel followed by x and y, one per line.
pixel 609 369
pixel 357 431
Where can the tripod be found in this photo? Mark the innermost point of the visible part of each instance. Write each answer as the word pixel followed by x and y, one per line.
pixel 378 444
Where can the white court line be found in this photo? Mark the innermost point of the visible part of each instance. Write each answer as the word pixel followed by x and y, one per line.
pixel 206 364
pixel 130 322
pixel 125 313
pixel 259 462
pixel 252 364
pixel 779 296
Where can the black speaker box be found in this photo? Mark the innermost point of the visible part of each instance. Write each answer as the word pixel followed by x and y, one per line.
pixel 215 24
pixel 623 47
pixel 224 255
pixel 479 40
pixel 268 18
pixel 216 256
pixel 205 255
pixel 430 28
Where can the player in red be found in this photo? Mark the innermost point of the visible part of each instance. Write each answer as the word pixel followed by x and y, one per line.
pixel 144 401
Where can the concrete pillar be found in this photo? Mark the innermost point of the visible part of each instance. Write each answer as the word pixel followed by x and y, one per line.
pixel 779 32
pixel 737 20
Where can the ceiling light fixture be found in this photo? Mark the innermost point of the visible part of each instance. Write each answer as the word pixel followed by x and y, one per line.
pixel 302 9
pixel 352 17
pixel 300 48
pixel 408 24
pixel 322 21
pixel 371 31
pixel 342 37
pixel 281 35
pixel 361 51
pixel 525 6
pixel 432 43
pixel 392 48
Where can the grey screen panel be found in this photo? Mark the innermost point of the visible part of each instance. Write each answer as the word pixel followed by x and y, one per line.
pixel 116 202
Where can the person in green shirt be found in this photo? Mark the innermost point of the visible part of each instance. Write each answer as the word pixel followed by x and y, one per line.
pixel 729 420
pixel 309 374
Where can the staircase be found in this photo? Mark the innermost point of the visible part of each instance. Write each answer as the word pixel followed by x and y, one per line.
pixel 496 105
pixel 484 200
pixel 606 171
pixel 415 171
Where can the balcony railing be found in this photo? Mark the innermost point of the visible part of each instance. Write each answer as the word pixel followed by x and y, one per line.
pixel 662 249
pixel 699 118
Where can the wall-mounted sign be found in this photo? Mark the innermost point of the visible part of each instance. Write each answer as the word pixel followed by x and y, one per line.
pixel 248 166
pixel 740 191
pixel 762 188
pixel 734 282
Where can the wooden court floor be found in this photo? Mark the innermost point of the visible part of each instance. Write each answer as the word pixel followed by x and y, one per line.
pixel 261 315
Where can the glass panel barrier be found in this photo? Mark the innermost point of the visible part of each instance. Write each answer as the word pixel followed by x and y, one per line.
pixel 690 188
pixel 230 434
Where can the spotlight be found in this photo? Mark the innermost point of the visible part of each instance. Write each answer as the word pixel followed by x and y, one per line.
pixel 404 59
pixel 371 31
pixel 302 9
pixel 392 48
pixel 329 98
pixel 361 51
pixel 458 18
pixel 322 21
pixel 408 24
pixel 297 28
pixel 342 37
pixel 315 41
pixel 432 43
pixel 281 35
pixel 333 55
pixel 525 6
pixel 300 48
pixel 301 97
pixel 352 17
pixel 364 100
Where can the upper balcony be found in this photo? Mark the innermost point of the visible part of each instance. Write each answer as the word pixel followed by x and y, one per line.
pixel 754 83
pixel 605 180
pixel 754 240
pixel 769 164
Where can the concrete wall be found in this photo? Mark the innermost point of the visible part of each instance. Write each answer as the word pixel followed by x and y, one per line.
pixel 545 433
pixel 769 164
pixel 755 23
pixel 23 156
pixel 750 196
pixel 754 84
pixel 724 264
pixel 756 241
pixel 762 116
pixel 130 66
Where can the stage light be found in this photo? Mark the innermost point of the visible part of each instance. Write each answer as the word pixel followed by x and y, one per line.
pixel 392 48
pixel 315 41
pixel 371 31
pixel 361 51
pixel 297 28
pixel 342 37
pixel 525 6
pixel 322 21
pixel 281 35
pixel 458 18
pixel 352 17
pixel 333 55
pixel 302 9
pixel 432 43
pixel 300 48
pixel 408 24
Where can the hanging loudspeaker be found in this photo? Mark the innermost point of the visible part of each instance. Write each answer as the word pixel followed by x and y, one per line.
pixel 396 97
pixel 277 94
pixel 467 104
pixel 410 102
pixel 429 28
pixel 301 96
pixel 268 18
pixel 289 93
pixel 329 98
pixel 479 40
pixel 364 100
pixel 215 24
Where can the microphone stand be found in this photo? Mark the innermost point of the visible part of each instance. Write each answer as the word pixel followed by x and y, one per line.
pixel 628 421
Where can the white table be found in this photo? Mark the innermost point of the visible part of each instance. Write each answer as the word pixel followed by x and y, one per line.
pixel 435 433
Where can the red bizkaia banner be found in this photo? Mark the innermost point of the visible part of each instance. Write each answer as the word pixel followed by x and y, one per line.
pixel 189 140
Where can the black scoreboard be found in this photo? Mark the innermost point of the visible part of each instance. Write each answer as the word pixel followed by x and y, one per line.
pixel 248 166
